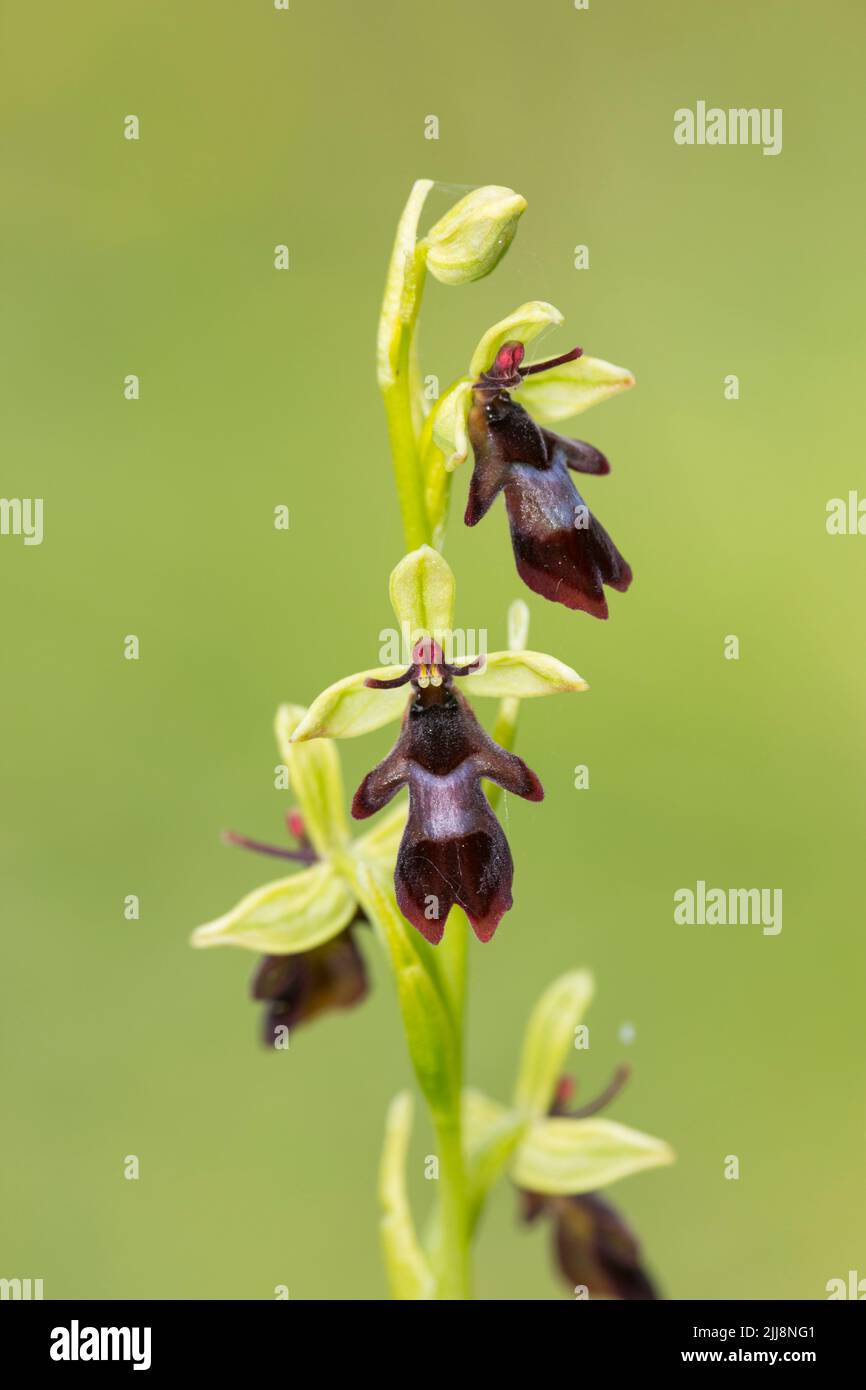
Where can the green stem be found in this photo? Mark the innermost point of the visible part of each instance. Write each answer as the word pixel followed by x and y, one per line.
pixel 397 398
pixel 451 959
pixel 397 373
pixel 452 1264
pixel 454 1268
pixel 431 994
pixel 401 303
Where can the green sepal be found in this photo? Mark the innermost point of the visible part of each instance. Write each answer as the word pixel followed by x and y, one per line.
pixel 422 589
pixel 571 388
pixel 565 1157
pixel 285 917
pixel 549 1037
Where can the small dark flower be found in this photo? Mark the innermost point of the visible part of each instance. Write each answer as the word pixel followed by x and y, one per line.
pixel 562 551
pixel 298 988
pixel 593 1246
pixel 453 849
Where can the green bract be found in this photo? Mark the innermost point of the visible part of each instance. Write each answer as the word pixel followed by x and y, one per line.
pixel 311 906
pixel 422 594
pixel 409 1272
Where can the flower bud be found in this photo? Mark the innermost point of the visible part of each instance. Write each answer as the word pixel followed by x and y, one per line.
pixel 471 239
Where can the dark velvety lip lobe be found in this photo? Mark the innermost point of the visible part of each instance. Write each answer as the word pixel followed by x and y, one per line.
pixel 453 850
pixel 565 563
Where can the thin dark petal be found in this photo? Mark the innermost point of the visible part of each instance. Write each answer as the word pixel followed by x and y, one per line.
pixel 592 1107
pixel 583 458
pixel 299 856
pixel 594 1247
pixel 570 356
pixel 469 669
pixel 394 684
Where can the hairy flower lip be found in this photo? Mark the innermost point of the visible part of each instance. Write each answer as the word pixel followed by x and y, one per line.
pixel 593 1248
pixel 560 548
pixel 453 851
pixel 298 988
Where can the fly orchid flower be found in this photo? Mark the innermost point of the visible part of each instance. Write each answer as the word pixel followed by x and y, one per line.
pixel 594 1249
pixel 306 923
pixel 296 989
pixel 558 1158
pixel 561 550
pixel 453 850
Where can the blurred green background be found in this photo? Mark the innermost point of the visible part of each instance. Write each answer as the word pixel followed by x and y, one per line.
pixel 260 127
